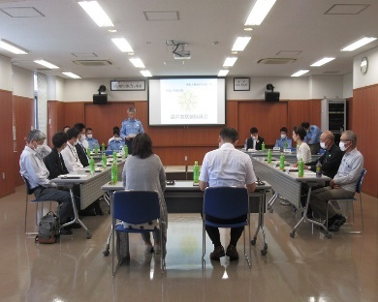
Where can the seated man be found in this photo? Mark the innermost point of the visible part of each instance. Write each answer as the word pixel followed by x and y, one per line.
pixel 343 185
pixel 331 159
pixel 116 142
pixel 54 161
pixel 92 142
pixel 69 153
pixel 283 142
pixel 34 170
pixel 255 141
pixel 228 167
pixel 82 145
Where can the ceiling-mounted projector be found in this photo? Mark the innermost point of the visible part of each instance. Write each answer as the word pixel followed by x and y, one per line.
pixel 178 50
pixel 182 55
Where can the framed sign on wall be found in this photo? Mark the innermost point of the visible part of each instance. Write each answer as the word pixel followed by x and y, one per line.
pixel 241 84
pixel 127 85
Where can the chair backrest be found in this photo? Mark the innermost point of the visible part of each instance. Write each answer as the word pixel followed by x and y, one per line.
pixel 359 184
pixel 29 190
pixel 136 207
pixel 226 202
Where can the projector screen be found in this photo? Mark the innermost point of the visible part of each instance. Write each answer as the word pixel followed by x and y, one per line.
pixel 187 101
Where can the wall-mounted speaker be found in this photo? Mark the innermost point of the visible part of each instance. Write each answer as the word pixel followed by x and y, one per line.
pixel 272 96
pixel 100 99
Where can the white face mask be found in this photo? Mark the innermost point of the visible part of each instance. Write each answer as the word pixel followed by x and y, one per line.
pixel 89 136
pixel 283 136
pixel 323 145
pixel 38 148
pixel 82 137
pixel 342 146
pixel 118 138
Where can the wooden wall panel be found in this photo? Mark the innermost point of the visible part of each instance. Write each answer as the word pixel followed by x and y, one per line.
pixel 23 110
pixel 102 118
pixel 7 171
pixel 267 117
pixel 297 112
pixel 365 124
pixel 315 112
pixel 56 114
pixel 74 113
pixel 232 119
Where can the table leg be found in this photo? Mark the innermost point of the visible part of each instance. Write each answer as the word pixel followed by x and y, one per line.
pixel 305 218
pixel 271 201
pixel 76 215
pixel 261 225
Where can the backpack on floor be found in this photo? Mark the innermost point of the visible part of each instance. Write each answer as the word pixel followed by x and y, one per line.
pixel 48 229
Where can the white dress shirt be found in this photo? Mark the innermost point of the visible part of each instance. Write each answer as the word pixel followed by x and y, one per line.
pixel 71 159
pixel 304 152
pixel 227 167
pixel 33 168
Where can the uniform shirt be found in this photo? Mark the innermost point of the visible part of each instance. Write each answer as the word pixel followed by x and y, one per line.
pixel 227 167
pixel 304 152
pixel 71 158
pixel 330 161
pixel 350 170
pixel 313 135
pixel 281 143
pixel 33 168
pixel 92 142
pixel 116 144
pixel 131 127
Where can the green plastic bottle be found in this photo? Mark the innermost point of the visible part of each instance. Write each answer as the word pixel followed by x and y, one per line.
pixel 286 145
pixel 196 173
pixel 89 152
pixel 263 146
pixel 102 147
pixel 103 159
pixel 114 174
pixel 91 165
pixel 282 162
pixel 126 150
pixel 96 149
pixel 114 156
pixel 300 167
pixel 269 156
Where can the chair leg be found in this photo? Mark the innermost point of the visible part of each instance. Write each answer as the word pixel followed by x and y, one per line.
pixel 249 239
pixel 362 214
pixel 26 213
pixel 203 243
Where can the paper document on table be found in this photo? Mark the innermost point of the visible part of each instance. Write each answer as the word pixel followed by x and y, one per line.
pixel 72 176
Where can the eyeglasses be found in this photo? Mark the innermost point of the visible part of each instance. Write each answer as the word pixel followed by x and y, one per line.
pixel 344 140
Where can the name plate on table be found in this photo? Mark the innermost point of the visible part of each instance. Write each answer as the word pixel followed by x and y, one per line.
pixel 276 149
pixel 287 150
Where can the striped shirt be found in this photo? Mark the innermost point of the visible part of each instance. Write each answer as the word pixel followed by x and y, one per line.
pixel 350 170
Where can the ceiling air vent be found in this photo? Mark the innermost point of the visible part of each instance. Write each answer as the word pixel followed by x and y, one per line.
pixel 92 62
pixel 276 61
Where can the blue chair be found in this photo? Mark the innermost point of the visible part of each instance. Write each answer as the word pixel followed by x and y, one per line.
pixel 30 191
pixel 335 202
pixel 226 203
pixel 136 207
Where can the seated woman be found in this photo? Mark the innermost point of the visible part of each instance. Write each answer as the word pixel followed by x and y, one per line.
pixel 116 143
pixel 303 150
pixel 144 171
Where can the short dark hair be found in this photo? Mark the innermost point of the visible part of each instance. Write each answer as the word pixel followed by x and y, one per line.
pixel 79 126
pixel 116 130
pixel 229 134
pixel 73 132
pixel 59 139
pixel 65 127
pixel 305 125
pixel 253 130
pixel 283 129
pixel 300 131
pixel 88 129
pixel 142 145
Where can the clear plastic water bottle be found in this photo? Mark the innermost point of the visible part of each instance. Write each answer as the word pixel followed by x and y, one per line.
pixel 319 170
pixel 196 173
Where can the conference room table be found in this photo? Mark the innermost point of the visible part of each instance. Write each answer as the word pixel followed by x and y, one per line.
pixel 290 157
pixel 184 197
pixel 288 184
pixel 89 185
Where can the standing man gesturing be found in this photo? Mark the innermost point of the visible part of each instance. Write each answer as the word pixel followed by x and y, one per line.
pixel 130 128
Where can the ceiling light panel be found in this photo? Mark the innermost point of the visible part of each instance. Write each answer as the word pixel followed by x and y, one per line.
pixel 146 73
pixel 138 63
pixel 299 73
pixel 240 43
pixel 229 62
pixel 322 62
pixel 259 11
pixel 359 43
pixel 12 48
pixel 223 72
pixel 122 44
pixel 46 64
pixel 95 11
pixel 71 75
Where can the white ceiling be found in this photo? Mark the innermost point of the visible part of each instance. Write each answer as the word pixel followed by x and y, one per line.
pixel 55 30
